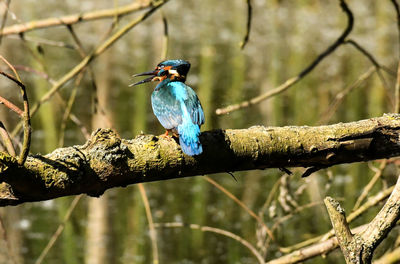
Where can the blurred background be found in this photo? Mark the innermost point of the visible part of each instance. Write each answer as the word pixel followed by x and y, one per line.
pixel 286 36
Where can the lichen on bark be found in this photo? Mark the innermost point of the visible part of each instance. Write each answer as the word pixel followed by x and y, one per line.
pixel 106 161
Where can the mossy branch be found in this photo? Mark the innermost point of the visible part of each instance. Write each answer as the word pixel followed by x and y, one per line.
pixel 106 161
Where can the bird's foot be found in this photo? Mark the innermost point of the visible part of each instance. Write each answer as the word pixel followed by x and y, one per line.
pixel 166 135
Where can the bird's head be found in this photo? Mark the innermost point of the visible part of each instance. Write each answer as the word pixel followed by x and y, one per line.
pixel 175 70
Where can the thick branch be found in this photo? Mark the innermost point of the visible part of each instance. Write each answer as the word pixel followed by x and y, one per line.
pixel 381 225
pixel 106 161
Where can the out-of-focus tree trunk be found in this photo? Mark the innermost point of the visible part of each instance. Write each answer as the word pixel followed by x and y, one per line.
pixel 11 237
pixel 97 233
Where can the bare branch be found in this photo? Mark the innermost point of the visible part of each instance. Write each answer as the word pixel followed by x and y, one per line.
pixel 241 204
pixel 318 249
pixel 381 225
pixel 248 25
pixel 59 230
pixel 11 106
pixel 324 244
pixel 76 18
pixel 26 118
pixel 153 234
pixel 7 140
pixel 290 82
pixel 352 216
pixel 327 115
pixel 370 184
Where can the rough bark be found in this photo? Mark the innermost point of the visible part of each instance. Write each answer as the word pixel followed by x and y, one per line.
pixel 359 248
pixel 351 245
pixel 106 161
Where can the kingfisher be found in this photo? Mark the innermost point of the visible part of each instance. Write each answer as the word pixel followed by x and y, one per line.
pixel 175 104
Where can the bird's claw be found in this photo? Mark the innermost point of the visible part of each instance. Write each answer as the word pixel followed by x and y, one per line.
pixel 166 135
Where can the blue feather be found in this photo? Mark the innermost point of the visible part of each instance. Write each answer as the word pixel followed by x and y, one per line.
pixel 189 138
pixel 177 107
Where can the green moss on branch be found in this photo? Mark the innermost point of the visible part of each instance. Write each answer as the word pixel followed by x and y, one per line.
pixel 107 161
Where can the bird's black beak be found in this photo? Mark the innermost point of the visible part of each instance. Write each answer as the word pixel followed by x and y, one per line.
pixel 149 79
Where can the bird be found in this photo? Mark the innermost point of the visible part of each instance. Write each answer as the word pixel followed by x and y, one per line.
pixel 175 104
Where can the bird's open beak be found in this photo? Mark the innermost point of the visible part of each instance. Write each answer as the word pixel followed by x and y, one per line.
pixel 149 79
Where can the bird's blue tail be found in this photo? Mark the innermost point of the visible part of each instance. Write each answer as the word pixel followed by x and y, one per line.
pixel 189 138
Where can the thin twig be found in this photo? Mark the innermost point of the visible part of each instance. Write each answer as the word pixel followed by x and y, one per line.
pixel 370 184
pixel 241 204
pixel 59 230
pixel 11 67
pixel 7 140
pixel 10 105
pixel 72 116
pixel 35 71
pixel 248 25
pixel 68 108
pixel 26 120
pixel 285 218
pixel 369 56
pixel 327 115
pixel 290 82
pixel 26 115
pixel 152 230
pixel 76 18
pixel 216 231
pixel 372 201
pixel 279 221
pixel 96 105
pixel 270 197
pixel 42 41
pixel 378 67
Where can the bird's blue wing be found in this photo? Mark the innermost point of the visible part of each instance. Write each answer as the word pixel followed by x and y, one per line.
pixel 167 100
pixel 166 108
pixel 194 107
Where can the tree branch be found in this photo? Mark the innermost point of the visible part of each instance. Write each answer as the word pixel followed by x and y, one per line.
pixel 317 249
pixel 292 81
pixel 106 161
pixel 349 244
pixel 381 225
pixel 76 18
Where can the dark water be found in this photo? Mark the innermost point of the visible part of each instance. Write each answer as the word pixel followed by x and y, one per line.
pixel 285 37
